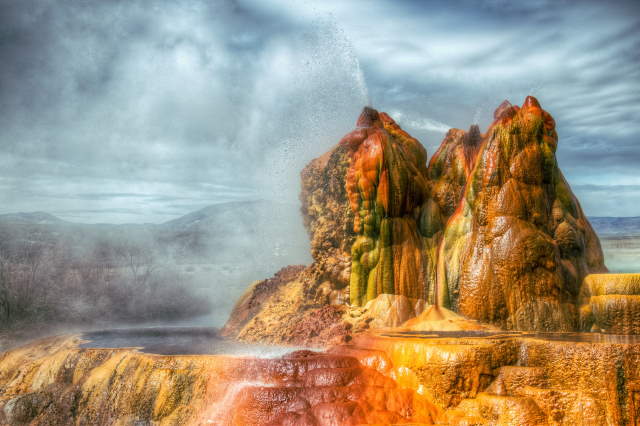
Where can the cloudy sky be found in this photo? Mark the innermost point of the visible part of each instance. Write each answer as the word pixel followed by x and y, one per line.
pixel 140 111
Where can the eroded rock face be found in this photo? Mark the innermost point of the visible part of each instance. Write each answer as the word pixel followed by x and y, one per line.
pixel 517 248
pixel 283 310
pixel 328 218
pixel 256 296
pixel 450 167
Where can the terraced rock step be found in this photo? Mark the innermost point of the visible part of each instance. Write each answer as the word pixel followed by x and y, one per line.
pixel 55 381
pixel 511 379
pixel 457 378
pixel 518 378
pixel 611 303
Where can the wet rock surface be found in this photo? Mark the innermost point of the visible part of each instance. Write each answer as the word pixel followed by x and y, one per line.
pixel 611 303
pixel 513 378
pixel 55 381
pixel 463 377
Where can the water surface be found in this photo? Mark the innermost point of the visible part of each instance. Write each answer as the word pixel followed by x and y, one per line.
pixel 178 341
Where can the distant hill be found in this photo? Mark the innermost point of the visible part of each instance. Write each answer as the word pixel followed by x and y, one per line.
pixel 249 231
pixel 239 231
pixel 40 218
pixel 196 264
pixel 616 226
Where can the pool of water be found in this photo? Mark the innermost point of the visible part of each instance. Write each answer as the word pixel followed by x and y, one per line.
pixel 206 341
pixel 178 341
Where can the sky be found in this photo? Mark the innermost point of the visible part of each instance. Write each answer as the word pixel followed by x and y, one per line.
pixel 142 111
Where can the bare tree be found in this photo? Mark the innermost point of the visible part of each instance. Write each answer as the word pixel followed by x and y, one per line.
pixel 139 261
pixel 5 277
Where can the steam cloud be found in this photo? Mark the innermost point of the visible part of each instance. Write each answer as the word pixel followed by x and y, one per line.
pixel 121 112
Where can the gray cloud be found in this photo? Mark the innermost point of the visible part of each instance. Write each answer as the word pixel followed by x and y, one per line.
pixel 161 107
pixel 454 65
pixel 214 102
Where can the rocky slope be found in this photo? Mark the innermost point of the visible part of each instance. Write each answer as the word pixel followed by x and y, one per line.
pixel 214 234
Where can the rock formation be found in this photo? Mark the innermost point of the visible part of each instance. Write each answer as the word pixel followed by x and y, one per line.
pixel 387 187
pixel 450 167
pixel 410 264
pixel 518 246
pixel 490 230
pixel 366 240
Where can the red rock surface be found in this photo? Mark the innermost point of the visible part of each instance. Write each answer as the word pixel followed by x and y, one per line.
pixel 330 389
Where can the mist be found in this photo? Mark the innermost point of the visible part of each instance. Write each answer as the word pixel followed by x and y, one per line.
pixel 147 114
pixel 125 120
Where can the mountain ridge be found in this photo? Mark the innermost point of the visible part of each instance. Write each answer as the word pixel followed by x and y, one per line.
pixel 218 231
pixel 605 226
pixel 616 226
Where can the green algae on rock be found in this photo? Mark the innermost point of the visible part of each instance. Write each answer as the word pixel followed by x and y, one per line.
pixel 387 187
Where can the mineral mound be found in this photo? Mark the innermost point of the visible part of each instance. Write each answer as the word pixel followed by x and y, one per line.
pixel 518 246
pixel 490 230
